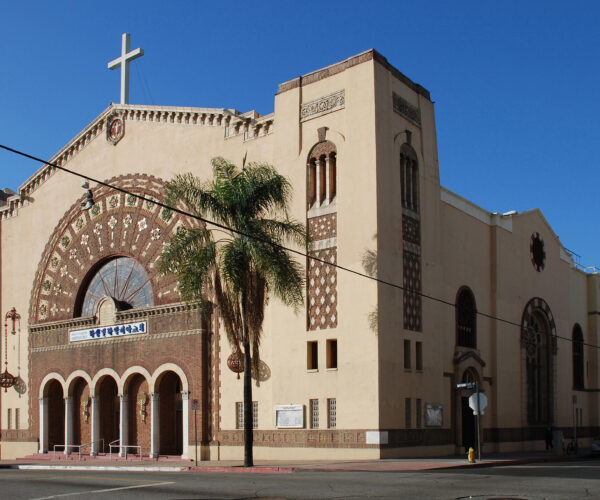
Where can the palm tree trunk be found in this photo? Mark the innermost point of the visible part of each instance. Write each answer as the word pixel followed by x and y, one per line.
pixel 248 436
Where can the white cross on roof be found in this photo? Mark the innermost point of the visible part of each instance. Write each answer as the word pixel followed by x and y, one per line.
pixel 123 63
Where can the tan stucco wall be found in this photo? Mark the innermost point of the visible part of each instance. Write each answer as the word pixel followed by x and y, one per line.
pixel 461 245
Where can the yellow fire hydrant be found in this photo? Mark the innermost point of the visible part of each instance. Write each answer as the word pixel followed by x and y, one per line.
pixel 471 455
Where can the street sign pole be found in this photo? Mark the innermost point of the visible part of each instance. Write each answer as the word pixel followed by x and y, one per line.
pixel 196 407
pixel 478 422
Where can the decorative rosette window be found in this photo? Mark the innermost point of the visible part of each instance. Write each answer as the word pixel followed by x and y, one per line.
pixel 109 250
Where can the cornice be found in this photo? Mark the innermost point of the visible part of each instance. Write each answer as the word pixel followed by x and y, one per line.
pixel 121 317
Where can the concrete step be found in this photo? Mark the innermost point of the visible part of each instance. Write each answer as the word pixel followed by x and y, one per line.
pixel 100 457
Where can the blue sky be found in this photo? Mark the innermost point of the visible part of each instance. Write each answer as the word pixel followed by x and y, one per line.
pixel 515 83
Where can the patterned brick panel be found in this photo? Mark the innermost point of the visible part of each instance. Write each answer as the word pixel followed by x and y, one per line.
pixel 410 230
pixel 323 227
pixel 412 282
pixel 322 290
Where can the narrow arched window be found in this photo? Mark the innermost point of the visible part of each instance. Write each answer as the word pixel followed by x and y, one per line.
pixel 466 319
pixel 577 358
pixel 409 178
pixel 322 173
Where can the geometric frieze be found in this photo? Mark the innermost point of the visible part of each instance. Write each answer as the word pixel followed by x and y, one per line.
pixel 322 105
pixel 322 290
pixel 407 110
pixel 117 225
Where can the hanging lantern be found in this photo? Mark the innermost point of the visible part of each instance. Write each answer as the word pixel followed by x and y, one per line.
pixel 7 380
pixel 235 362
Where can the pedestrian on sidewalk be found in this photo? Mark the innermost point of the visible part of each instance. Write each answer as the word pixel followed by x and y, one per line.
pixel 549 443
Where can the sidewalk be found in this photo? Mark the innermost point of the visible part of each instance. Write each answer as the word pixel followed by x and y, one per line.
pixel 288 467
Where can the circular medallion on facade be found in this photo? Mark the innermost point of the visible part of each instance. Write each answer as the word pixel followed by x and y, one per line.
pixel 115 130
pixel 536 249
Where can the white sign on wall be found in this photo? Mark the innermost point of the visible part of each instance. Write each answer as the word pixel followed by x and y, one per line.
pixel 434 415
pixel 107 332
pixel 289 416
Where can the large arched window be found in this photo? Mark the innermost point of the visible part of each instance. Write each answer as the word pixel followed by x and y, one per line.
pixel 121 278
pixel 409 172
pixel 466 318
pixel 578 382
pixel 538 340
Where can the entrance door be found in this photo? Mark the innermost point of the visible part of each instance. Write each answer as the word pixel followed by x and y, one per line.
pixel 468 425
pixel 56 414
pixel 171 415
pixel 109 412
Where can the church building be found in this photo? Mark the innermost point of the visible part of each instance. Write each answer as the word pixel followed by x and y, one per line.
pixel 100 349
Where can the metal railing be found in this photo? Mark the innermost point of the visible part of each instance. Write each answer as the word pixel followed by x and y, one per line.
pixel 116 444
pixel 66 447
pixel 89 445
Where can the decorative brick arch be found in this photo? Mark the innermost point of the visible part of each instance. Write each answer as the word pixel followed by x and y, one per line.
pixel 168 367
pixel 117 225
pixel 129 373
pixel 52 376
pixel 73 377
pixel 104 373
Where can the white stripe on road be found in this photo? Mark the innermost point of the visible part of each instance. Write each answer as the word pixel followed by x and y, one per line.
pixel 105 490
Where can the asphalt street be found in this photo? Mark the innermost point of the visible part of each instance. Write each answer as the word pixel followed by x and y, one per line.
pixel 558 480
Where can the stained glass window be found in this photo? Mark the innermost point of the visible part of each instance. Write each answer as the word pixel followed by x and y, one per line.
pixel 123 279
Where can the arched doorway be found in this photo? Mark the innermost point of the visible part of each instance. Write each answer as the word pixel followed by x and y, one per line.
pixel 108 399
pixel 469 436
pixel 138 418
pixel 81 417
pixel 171 414
pixel 54 395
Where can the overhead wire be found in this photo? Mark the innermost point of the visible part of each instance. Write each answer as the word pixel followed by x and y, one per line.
pixel 278 245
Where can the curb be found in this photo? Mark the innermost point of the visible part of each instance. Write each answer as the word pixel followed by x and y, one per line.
pixel 519 461
pixel 97 467
pixel 244 470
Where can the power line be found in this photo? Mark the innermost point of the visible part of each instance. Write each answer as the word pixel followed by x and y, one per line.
pixel 277 245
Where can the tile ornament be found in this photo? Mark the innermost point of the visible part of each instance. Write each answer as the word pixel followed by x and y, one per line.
pixel 323 105
pixel 166 214
pixel 131 200
pixel 64 241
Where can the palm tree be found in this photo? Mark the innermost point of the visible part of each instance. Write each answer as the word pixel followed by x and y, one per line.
pixel 239 261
